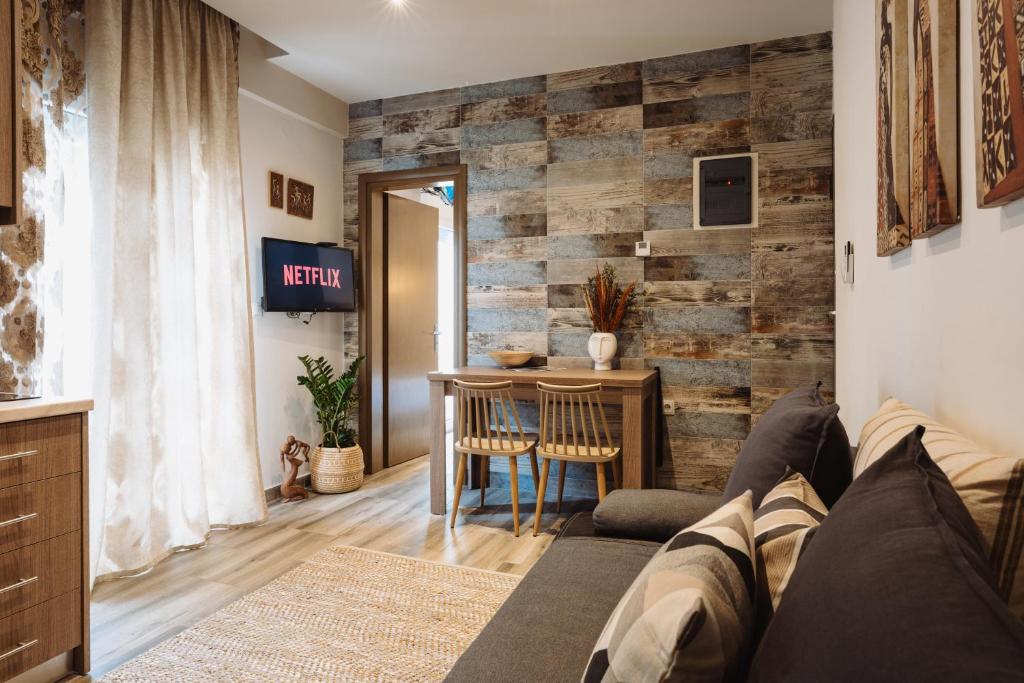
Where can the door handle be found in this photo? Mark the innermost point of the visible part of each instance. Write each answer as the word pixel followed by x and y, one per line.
pixel 436 333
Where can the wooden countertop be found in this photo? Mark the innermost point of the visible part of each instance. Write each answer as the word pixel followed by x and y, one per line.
pixel 34 408
pixel 612 378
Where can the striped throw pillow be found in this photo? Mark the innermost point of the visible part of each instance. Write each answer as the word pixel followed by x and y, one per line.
pixel 991 486
pixel 783 527
pixel 690 612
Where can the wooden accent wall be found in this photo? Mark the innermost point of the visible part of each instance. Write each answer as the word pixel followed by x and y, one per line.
pixel 568 170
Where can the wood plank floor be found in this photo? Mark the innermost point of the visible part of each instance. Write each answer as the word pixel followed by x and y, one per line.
pixel 391 513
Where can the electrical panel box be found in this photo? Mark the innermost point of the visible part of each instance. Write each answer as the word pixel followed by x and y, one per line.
pixel 725 191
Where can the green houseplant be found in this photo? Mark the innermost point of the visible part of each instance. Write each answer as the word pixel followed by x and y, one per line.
pixel 336 465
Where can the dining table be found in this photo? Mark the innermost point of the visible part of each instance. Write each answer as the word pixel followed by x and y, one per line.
pixel 635 390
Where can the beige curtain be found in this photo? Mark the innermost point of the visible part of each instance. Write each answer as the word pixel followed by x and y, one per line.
pixel 174 432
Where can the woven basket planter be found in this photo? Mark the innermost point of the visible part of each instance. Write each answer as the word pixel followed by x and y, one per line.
pixel 336 470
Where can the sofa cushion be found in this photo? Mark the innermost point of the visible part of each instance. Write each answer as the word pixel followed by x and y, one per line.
pixel 991 486
pixel 653 515
pixel 784 525
pixel 546 629
pixel 894 587
pixel 801 431
pixel 689 614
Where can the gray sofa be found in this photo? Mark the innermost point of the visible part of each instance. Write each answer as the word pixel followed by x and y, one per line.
pixel 547 628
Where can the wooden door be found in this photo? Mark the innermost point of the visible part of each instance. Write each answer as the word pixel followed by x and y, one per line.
pixel 411 232
pixel 10 111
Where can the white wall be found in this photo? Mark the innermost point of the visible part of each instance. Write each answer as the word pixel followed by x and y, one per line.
pixel 939 325
pixel 272 139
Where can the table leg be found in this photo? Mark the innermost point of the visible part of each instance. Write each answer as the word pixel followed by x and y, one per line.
pixel 635 438
pixel 438 451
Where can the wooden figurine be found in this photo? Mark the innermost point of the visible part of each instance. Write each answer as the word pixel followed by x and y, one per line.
pixel 293 451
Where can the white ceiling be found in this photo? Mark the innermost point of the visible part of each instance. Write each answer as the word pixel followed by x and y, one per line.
pixel 365 49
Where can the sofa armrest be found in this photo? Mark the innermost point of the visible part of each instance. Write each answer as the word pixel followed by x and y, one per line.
pixel 653 514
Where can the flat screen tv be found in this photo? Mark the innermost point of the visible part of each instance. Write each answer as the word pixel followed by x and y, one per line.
pixel 303 277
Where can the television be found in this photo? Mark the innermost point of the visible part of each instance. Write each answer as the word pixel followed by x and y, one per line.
pixel 307 278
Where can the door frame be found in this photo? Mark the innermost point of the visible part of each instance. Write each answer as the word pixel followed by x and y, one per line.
pixel 373 417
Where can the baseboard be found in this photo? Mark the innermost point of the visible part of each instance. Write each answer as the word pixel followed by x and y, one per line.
pixel 274 492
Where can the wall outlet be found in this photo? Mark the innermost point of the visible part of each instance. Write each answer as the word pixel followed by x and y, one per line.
pixel 668 407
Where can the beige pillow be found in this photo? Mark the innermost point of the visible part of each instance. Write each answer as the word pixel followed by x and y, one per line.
pixel 784 525
pixel 991 486
pixel 689 614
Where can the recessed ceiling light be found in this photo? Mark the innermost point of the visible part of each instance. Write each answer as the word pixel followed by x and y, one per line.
pixel 397 3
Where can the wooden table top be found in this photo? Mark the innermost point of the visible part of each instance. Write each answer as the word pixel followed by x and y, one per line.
pixel 613 378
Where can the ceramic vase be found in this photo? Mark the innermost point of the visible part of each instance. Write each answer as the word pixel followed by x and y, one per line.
pixel 602 347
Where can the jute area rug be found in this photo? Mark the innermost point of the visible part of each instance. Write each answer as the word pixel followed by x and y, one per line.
pixel 346 614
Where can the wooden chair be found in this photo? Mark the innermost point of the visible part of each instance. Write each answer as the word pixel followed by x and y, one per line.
pixel 488 424
pixel 573 428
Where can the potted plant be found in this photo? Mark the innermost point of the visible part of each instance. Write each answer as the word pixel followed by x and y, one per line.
pixel 607 304
pixel 336 465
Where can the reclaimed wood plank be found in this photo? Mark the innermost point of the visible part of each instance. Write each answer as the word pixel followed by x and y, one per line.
pixel 697 242
pixel 702 373
pixel 709 399
pixel 425 100
pixel 596 122
pixel 719 81
pixel 691 62
pixel 669 320
pixel 576 271
pixel 504 109
pixel 697 110
pixel 699 293
pixel 595 97
pixel 792 320
pixel 599 75
pixel 699 424
pixel 419 143
pixel 599 245
pixel 499 227
pixel 668 191
pixel 816 291
pixel 567 220
pixel 585 147
pixel 366 128
pixel 509 88
pixel 422 120
pixel 512 320
pixel 508 249
pixel 507 203
pixel 507 273
pixel 697 345
pixel 506 296
pixel 791 374
pixel 698 138
pixel 804 347
pixel 697 267
pixel 512 155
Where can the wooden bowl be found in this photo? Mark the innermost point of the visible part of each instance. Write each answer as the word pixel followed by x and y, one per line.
pixel 511 359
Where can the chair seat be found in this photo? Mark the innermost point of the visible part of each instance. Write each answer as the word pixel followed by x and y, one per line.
pixel 570 452
pixel 499 443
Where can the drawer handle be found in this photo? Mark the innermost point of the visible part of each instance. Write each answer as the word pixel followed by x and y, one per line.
pixel 19 519
pixel 18 455
pixel 21 647
pixel 20 584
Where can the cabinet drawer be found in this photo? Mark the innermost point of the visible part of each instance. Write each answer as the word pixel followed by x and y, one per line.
pixel 40 510
pixel 39 449
pixel 40 633
pixel 39 572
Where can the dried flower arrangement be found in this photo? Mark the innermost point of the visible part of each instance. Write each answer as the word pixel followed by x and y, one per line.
pixel 606 301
